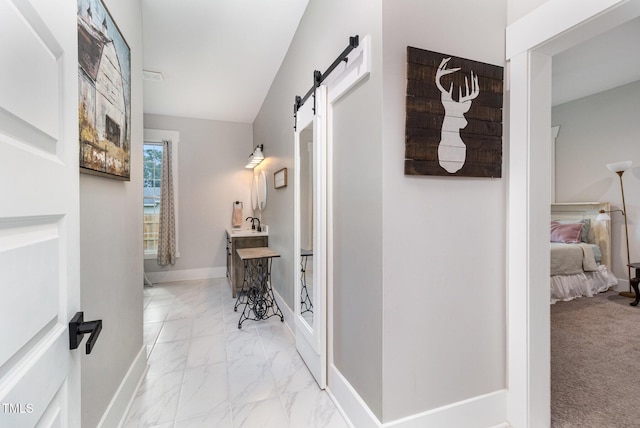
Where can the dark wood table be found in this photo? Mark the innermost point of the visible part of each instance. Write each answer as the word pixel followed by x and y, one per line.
pixel 634 283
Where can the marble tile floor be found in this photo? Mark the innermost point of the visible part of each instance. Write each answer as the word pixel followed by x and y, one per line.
pixel 205 372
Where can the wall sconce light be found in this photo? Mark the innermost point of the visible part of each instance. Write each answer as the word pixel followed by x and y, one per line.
pixel 619 168
pixel 255 157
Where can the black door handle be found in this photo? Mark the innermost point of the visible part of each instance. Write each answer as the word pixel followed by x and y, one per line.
pixel 78 328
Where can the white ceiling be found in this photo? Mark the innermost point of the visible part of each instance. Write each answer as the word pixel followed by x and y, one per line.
pixel 604 62
pixel 218 57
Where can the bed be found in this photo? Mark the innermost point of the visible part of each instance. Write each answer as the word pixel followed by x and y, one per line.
pixel 580 251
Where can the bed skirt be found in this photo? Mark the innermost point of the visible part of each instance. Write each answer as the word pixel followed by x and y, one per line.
pixel 586 284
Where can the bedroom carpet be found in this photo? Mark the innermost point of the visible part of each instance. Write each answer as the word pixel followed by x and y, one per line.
pixel 595 363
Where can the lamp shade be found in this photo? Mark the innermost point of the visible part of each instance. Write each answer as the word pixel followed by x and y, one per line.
pixel 603 216
pixel 619 166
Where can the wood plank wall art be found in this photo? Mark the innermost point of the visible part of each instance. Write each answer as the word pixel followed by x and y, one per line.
pixel 454 116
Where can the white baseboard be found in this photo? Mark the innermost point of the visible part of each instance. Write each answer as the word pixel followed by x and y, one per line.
pixel 623 285
pixel 286 311
pixel 487 410
pixel 122 399
pixel 186 274
pixel 352 406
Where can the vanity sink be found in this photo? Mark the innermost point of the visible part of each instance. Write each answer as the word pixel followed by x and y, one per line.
pixel 249 232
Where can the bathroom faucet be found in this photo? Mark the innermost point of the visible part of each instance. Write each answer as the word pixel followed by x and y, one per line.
pixel 253 224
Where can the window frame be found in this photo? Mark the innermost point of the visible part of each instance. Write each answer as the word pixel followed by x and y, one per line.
pixel 156 136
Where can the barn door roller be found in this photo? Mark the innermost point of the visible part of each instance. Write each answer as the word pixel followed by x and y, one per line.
pixel 319 77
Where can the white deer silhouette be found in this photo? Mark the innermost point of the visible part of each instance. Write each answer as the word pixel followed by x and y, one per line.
pixel 452 151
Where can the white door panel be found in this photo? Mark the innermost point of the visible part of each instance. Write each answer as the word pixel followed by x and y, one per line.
pixel 38 284
pixel 39 376
pixel 310 213
pixel 29 82
pixel 39 226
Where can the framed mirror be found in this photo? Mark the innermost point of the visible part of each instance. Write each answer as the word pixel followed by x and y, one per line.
pixel 254 192
pixel 310 219
pixel 306 223
pixel 262 191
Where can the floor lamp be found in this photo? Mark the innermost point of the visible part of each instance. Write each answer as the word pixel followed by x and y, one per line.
pixel 619 168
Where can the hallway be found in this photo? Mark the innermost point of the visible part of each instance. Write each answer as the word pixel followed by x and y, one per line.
pixel 205 372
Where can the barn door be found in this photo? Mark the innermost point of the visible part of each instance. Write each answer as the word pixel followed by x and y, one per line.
pixel 39 224
pixel 310 235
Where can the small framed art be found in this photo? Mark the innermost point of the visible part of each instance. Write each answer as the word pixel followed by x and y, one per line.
pixel 280 178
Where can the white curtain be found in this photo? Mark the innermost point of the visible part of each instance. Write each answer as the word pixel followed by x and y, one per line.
pixel 167 229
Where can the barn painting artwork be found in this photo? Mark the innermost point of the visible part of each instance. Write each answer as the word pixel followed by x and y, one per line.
pixel 104 90
pixel 454 116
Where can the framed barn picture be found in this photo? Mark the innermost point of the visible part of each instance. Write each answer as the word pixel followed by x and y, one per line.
pixel 453 116
pixel 104 92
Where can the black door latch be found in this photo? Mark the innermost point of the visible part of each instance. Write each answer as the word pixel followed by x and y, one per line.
pixel 77 329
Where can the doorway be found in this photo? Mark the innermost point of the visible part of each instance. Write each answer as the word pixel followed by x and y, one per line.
pixel 531 42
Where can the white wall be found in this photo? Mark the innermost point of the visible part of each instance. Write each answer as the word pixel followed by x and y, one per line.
pixel 594 131
pixel 111 249
pixel 444 238
pixel 211 176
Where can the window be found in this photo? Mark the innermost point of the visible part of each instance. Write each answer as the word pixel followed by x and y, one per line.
pixel 152 174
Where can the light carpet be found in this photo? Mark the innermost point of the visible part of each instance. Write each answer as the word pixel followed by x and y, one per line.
pixel 595 363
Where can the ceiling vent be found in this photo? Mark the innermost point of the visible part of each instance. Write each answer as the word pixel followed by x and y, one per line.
pixel 153 76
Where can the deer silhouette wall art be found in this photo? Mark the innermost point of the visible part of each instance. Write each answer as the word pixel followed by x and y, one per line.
pixel 453 116
pixel 452 151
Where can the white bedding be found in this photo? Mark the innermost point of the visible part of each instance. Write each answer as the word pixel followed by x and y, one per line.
pixel 570 259
pixel 574 271
pixel 587 284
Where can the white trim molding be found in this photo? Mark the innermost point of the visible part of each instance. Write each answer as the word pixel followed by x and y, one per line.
pixel 554 136
pixel 123 398
pixel 186 274
pixel 486 410
pixel 287 313
pixel 351 405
